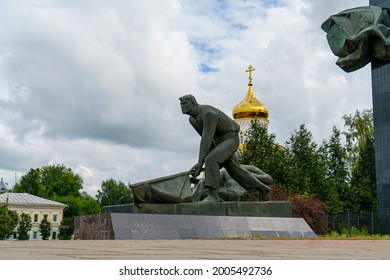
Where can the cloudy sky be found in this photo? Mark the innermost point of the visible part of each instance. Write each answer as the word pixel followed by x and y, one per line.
pixel 94 85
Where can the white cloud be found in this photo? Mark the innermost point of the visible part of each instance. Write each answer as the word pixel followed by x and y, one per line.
pixel 95 85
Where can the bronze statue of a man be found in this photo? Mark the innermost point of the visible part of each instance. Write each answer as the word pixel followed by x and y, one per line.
pixel 218 145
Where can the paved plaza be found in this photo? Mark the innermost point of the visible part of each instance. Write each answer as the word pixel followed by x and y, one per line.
pixel 268 249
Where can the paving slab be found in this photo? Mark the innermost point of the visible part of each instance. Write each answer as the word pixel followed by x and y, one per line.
pixel 197 249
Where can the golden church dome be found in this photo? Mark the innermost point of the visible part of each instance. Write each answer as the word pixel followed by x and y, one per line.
pixel 250 107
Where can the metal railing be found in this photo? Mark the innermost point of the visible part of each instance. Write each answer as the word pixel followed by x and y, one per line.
pixel 364 224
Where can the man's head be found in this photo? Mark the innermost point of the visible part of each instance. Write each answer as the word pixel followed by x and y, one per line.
pixel 187 103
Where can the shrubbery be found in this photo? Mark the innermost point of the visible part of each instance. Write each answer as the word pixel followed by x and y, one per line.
pixel 310 209
pixel 304 206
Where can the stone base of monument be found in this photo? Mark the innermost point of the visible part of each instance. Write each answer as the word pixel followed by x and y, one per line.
pixel 159 226
pixel 232 208
pixel 188 221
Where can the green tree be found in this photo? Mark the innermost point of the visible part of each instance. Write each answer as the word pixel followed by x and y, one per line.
pixel 61 181
pixel 24 227
pixel 66 228
pixel 45 228
pixel 342 176
pixel 89 205
pixel 79 206
pixel 29 183
pixel 337 176
pixel 360 128
pixel 262 151
pixel 363 181
pixel 49 181
pixel 361 154
pixel 307 168
pixel 114 193
pixel 336 157
pixel 8 221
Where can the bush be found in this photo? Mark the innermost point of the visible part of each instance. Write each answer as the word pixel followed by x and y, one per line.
pixel 252 195
pixel 310 209
pixel 304 206
pixel 276 194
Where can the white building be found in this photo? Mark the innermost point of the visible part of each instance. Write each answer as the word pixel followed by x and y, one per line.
pixel 37 208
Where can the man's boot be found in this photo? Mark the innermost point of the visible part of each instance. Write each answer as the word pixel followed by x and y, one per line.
pixel 212 197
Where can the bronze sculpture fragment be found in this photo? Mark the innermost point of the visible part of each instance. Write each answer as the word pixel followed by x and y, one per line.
pixel 218 145
pixel 359 35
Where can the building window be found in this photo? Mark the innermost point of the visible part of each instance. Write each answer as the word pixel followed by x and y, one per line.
pixel 54 235
pixel 54 218
pixel 35 218
pixel 35 235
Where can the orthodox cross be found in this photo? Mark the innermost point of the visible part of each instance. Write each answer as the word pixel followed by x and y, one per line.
pixel 250 69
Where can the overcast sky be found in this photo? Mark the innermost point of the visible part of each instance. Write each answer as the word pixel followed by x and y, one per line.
pixel 94 85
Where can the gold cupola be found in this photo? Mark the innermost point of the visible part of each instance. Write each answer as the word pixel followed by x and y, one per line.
pixel 250 108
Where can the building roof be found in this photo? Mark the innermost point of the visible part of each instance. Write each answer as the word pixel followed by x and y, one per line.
pixel 27 199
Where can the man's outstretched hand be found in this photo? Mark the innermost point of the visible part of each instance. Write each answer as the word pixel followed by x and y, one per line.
pixel 196 169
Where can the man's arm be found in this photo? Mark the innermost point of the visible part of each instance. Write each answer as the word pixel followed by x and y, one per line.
pixel 210 122
pixel 196 126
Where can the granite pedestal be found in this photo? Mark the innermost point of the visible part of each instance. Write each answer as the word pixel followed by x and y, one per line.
pixel 233 208
pixel 161 226
pixel 193 220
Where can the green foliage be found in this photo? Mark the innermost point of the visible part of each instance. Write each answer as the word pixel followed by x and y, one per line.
pixel 66 228
pixel 308 170
pixel 50 181
pixel 360 127
pixel 29 183
pixel 8 221
pixel 262 151
pixel 24 227
pixel 45 228
pixel 60 180
pixel 257 236
pixel 89 205
pixel 335 234
pixel 114 193
pixel 59 183
pixel 360 145
pixel 363 181
pixel 355 235
pixel 79 206
pixel 354 232
pixel 334 155
pixel 342 176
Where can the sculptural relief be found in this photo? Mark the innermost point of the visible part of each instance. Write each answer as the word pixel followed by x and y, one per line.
pixel 359 35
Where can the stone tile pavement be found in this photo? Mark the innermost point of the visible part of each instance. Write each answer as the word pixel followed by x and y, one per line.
pixel 197 249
